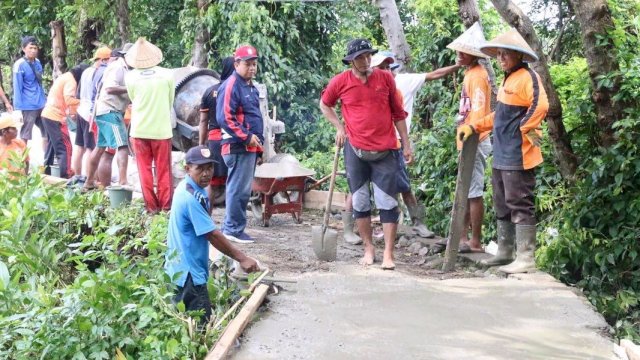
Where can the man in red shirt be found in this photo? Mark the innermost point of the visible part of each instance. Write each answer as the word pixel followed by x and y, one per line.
pixel 372 113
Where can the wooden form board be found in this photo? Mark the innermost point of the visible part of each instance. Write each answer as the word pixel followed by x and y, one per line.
pixel 466 161
pixel 237 325
pixel 316 199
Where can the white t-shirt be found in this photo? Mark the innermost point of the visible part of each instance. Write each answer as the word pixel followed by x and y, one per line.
pixel 409 84
pixel 86 92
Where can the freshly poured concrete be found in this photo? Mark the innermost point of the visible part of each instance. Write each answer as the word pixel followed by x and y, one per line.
pixel 357 313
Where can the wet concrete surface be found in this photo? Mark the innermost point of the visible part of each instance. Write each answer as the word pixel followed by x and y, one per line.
pixel 367 313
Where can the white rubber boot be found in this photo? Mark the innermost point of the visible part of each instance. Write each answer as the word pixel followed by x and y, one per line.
pixel 506 243
pixel 349 236
pixel 525 259
pixel 417 220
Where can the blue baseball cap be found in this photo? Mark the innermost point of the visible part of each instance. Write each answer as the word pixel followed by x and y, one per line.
pixel 199 155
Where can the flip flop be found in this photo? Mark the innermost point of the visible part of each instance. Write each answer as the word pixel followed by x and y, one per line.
pixel 388 267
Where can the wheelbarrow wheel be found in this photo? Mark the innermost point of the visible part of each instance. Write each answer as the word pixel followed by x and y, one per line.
pixel 255 202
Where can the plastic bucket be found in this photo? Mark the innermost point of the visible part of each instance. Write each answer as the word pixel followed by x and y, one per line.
pixel 119 196
pixel 55 170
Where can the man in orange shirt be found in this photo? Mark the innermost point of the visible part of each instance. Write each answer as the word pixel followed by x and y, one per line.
pixel 10 146
pixel 62 101
pixel 475 103
pixel 522 105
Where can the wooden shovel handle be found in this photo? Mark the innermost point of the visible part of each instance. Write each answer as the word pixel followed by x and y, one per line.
pixel 327 208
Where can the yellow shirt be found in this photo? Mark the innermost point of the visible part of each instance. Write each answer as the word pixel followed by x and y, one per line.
pixel 17 148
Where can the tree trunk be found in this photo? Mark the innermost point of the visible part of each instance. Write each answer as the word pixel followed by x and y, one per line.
pixel 595 20
pixel 59 48
pixel 122 14
pixel 90 30
pixel 393 29
pixel 567 160
pixel 468 11
pixel 199 57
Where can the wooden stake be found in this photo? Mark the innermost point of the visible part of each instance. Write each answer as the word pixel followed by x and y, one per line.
pixel 456 227
pixel 237 325
pixel 241 300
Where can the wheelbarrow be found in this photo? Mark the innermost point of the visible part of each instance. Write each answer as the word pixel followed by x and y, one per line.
pixel 284 180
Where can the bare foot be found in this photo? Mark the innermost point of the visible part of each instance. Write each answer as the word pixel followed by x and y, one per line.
pixel 476 246
pixel 369 255
pixel 387 261
pixel 388 264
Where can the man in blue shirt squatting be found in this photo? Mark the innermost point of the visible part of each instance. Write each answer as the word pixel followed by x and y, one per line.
pixel 239 116
pixel 191 229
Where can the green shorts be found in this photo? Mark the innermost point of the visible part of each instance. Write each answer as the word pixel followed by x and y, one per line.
pixel 111 130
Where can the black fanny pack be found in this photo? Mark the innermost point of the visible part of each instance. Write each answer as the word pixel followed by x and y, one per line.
pixel 370 155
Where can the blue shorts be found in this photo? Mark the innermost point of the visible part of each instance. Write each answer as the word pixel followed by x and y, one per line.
pixel 111 130
pixel 404 185
pixel 382 176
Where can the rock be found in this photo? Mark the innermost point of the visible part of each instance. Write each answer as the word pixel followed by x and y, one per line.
pixel 403 241
pixel 414 248
pixel 424 251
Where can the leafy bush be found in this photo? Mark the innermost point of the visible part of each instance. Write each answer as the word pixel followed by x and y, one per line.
pixel 79 280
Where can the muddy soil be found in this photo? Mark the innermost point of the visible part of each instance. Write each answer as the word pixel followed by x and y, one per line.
pixel 285 247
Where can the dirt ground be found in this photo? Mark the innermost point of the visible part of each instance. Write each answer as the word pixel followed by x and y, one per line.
pixel 285 247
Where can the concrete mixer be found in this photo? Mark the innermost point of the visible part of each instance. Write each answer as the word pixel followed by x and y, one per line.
pixel 191 83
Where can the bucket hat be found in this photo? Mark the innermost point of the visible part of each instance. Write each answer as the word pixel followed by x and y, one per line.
pixel 511 40
pixel 357 47
pixel 470 41
pixel 143 54
pixel 381 57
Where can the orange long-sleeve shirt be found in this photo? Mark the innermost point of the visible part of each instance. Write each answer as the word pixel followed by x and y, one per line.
pixel 521 107
pixel 62 98
pixel 475 100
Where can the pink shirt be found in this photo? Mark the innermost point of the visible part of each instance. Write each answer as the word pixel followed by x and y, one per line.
pixel 369 109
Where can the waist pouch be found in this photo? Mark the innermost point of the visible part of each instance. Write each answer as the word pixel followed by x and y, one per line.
pixel 370 155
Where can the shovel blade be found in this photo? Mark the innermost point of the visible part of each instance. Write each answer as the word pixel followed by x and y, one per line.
pixel 325 246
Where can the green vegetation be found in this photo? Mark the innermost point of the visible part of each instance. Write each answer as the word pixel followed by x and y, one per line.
pixel 79 280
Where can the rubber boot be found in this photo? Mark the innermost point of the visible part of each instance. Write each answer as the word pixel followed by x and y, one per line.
pixel 349 236
pixel 506 242
pixel 526 244
pixel 417 220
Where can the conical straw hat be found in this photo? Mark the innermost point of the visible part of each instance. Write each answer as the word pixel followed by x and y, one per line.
pixel 470 41
pixel 143 54
pixel 510 40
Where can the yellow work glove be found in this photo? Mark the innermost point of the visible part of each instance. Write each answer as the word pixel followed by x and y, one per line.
pixel 464 132
pixel 534 138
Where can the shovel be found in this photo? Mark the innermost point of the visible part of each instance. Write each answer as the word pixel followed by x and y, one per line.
pixel 325 240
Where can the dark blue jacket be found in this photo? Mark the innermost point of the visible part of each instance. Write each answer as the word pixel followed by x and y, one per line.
pixel 238 114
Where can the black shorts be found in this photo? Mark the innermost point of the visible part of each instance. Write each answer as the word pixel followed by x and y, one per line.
pixel 194 297
pixel 83 137
pixel 219 168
